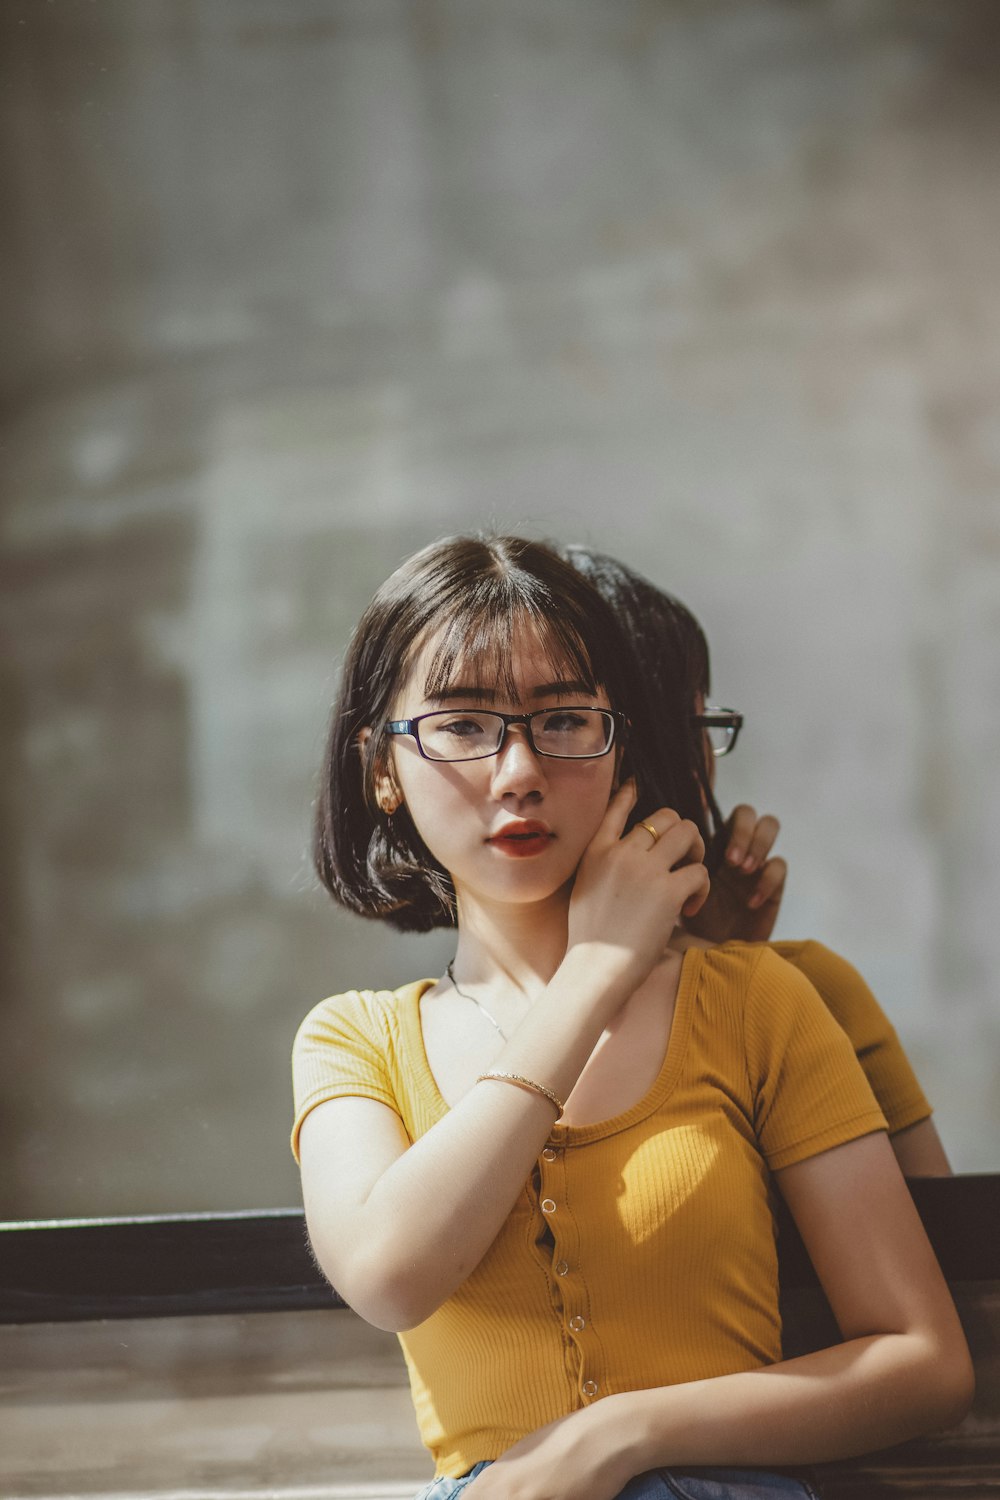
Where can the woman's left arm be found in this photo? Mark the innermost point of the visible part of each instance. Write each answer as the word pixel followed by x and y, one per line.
pixel 902 1369
pixel 920 1151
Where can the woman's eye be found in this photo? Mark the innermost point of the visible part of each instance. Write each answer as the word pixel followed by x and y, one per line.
pixel 461 728
pixel 562 723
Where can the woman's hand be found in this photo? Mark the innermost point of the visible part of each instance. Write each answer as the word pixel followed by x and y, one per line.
pixel 632 889
pixel 747 886
pixel 573 1458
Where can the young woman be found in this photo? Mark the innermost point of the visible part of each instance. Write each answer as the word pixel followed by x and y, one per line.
pixel 747 881
pixel 551 1171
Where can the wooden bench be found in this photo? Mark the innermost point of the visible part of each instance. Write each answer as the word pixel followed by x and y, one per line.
pixel 120 1306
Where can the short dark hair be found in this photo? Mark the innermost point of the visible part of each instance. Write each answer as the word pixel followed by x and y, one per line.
pixel 673 660
pixel 476 591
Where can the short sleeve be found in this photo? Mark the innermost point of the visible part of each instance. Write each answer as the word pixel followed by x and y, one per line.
pixel 876 1045
pixel 809 1090
pixel 342 1048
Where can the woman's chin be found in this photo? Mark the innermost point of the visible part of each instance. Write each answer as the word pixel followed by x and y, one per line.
pixel 523 884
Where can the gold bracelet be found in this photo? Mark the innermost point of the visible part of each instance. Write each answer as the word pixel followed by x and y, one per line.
pixel 524 1083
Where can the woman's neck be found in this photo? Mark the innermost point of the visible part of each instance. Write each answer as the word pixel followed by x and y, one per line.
pixel 516 946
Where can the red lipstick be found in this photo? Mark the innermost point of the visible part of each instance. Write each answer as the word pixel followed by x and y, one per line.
pixel 522 838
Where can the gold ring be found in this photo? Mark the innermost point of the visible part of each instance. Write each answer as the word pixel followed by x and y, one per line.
pixel 651 831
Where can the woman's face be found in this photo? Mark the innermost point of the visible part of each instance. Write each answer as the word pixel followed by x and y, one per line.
pixel 511 827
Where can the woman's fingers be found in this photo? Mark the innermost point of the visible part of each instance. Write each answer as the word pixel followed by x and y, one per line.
pixel 677 840
pixel 740 826
pixel 612 825
pixel 630 892
pixel 770 884
pixel 761 843
pixel 682 847
pixel 648 832
pixel 747 884
pixel 700 882
pixel 751 838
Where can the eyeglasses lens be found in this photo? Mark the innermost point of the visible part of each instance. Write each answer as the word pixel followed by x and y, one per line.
pixel 566 733
pixel 572 732
pixel 721 738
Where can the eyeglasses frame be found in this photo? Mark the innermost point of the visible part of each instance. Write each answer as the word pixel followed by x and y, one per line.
pixel 717 717
pixel 619 724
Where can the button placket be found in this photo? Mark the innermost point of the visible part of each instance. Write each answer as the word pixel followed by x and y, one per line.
pixel 588 1350
pixel 584 1350
pixel 563 1228
pixel 552 1203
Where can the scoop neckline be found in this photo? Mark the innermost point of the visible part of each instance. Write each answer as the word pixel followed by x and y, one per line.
pixel 572 1135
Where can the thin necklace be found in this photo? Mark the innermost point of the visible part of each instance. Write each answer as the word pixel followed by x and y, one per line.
pixel 478 1003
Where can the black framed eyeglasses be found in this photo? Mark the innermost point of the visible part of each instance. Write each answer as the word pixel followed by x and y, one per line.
pixel 721 725
pixel 475 734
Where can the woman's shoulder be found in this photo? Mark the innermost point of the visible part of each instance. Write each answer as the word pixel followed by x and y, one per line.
pixel 827 972
pixel 815 960
pixel 375 1012
pixel 760 978
pixel 354 1043
pixel 740 964
pixel 735 982
pixel 804 982
pixel 844 990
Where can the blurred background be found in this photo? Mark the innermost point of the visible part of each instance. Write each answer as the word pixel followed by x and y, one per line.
pixel 295 286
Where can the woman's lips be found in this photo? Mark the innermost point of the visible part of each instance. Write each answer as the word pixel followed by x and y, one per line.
pixel 522 839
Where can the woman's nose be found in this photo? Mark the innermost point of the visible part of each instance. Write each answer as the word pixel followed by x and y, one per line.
pixel 518 768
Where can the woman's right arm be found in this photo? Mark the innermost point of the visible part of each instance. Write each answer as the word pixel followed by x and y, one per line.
pixel 398 1227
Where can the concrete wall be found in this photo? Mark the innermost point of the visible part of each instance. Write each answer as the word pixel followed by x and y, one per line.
pixel 295 288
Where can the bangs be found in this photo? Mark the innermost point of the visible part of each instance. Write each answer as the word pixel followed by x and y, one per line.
pixel 479 647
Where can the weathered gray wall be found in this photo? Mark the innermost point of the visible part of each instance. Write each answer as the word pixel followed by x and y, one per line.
pixel 296 287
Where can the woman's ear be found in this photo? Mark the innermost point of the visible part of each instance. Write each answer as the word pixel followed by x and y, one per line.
pixel 387 794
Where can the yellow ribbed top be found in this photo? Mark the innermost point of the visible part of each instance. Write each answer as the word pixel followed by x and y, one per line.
pixel 641 1252
pixel 876 1045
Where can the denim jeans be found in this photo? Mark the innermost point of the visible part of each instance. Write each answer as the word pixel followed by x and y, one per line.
pixel 673 1484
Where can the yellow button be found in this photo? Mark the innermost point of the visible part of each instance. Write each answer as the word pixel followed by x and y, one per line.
pixel 561 1268
pixel 590 1387
pixel 548 1154
pixel 548 1207
pixel 577 1323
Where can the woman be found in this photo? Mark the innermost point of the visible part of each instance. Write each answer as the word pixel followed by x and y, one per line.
pixel 747 881
pixel 551 1171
